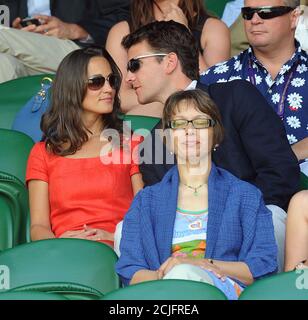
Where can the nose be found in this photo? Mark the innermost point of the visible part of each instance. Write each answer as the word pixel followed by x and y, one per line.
pixel 130 77
pixel 256 18
pixel 107 87
pixel 190 130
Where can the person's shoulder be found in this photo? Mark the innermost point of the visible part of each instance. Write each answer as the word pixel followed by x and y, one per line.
pixel 214 25
pixel 120 29
pixel 39 148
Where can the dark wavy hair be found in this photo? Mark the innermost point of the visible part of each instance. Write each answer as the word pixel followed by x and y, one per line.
pixel 142 12
pixel 62 125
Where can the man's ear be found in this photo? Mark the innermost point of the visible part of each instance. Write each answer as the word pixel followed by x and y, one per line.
pixel 171 62
pixel 295 16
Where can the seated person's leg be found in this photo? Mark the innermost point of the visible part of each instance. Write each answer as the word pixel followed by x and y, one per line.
pixel 190 272
pixel 297 230
pixel 279 221
pixel 11 68
pixel 38 52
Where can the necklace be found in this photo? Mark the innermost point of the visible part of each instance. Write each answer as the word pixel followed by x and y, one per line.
pixel 194 188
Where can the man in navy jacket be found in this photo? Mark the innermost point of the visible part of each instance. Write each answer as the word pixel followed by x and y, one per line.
pixel 255 147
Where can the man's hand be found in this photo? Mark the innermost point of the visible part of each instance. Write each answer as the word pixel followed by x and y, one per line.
pixel 176 14
pixel 52 26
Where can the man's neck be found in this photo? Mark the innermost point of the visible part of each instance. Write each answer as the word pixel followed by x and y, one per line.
pixel 274 59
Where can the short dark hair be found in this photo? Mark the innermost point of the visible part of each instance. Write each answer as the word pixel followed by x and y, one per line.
pixel 202 102
pixel 166 37
pixel 62 123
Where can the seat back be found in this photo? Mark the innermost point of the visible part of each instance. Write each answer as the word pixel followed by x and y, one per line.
pixel 291 285
pixel 167 290
pixel 141 122
pixel 30 295
pixel 71 291
pixel 14 94
pixel 6 224
pixel 16 195
pixel 14 152
pixel 216 6
pixel 83 262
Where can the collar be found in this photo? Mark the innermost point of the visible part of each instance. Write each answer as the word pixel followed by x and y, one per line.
pixel 296 57
pixel 192 85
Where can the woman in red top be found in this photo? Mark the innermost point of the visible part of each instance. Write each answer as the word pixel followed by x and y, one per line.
pixel 74 192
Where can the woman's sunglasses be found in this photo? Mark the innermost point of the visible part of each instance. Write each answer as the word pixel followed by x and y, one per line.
pixel 98 81
pixel 134 64
pixel 199 123
pixel 265 12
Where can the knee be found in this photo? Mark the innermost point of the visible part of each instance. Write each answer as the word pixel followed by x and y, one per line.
pixel 299 204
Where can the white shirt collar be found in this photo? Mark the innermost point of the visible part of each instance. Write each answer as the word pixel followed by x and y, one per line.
pixel 192 85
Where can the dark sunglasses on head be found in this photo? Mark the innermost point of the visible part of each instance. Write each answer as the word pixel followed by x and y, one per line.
pixel 98 81
pixel 199 123
pixel 265 12
pixel 134 64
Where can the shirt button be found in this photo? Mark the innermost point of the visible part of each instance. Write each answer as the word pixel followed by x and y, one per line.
pixel 270 91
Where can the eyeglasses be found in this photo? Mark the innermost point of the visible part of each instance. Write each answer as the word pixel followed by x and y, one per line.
pixel 199 123
pixel 265 12
pixel 134 64
pixel 98 81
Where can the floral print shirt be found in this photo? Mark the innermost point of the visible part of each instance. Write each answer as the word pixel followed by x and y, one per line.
pixel 287 94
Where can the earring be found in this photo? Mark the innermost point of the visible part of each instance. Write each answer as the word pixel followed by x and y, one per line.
pixel 216 146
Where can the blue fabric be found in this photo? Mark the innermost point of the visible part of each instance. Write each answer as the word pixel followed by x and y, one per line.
pixel 28 119
pixel 240 227
pixel 295 116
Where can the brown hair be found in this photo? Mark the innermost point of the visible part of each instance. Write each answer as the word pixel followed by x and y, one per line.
pixel 202 102
pixel 142 12
pixel 62 125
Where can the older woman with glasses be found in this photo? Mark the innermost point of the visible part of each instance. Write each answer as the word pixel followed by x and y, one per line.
pixel 200 222
pixel 74 192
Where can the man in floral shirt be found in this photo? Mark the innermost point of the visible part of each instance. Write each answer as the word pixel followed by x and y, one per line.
pixel 275 64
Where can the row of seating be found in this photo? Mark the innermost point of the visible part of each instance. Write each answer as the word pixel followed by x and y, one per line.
pixel 81 269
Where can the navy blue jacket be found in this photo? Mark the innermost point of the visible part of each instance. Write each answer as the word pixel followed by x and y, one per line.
pixel 255 146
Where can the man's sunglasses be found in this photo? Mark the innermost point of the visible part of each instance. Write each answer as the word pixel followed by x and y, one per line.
pixel 98 81
pixel 199 123
pixel 265 12
pixel 134 64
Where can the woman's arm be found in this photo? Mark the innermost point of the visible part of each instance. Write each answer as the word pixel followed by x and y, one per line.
pixel 39 210
pixel 235 270
pixel 144 275
pixel 137 182
pixel 215 42
pixel 301 149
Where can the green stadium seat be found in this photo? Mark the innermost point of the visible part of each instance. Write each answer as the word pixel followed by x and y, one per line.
pixel 17 225
pixel 14 94
pixel 30 295
pixel 303 182
pixel 71 291
pixel 61 261
pixel 14 151
pixel 6 224
pixel 141 122
pixel 216 7
pixel 167 290
pixel 291 285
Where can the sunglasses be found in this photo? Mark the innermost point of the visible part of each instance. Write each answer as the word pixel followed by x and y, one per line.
pixel 98 81
pixel 265 12
pixel 199 123
pixel 134 64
